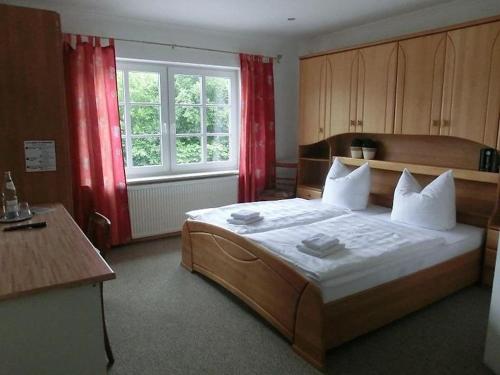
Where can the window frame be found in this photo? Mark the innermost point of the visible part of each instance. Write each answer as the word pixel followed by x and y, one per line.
pixel 168 133
pixel 143 171
pixel 232 134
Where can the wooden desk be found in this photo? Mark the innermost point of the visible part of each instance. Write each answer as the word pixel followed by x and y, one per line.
pixel 50 309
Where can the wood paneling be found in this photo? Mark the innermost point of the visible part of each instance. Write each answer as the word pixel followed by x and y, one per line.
pixel 308 192
pixel 461 174
pixel 419 85
pixel 438 151
pixel 376 89
pixel 312 100
pixel 56 256
pixel 471 91
pixel 366 311
pixel 492 239
pixel 32 101
pixel 442 83
pixel 341 99
pixel 313 173
pixel 490 258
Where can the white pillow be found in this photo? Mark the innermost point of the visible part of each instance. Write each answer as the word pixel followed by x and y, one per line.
pixel 432 207
pixel 347 189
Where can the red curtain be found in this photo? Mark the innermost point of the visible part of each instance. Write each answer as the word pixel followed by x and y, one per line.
pixel 98 172
pixel 257 141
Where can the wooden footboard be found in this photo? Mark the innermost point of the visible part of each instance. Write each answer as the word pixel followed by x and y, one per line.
pixel 368 310
pixel 293 304
pixel 271 287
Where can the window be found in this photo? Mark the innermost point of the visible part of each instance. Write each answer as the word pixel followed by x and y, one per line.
pixel 177 119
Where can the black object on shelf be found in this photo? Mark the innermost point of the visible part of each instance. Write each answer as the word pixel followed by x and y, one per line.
pixel 481 159
pixel 488 160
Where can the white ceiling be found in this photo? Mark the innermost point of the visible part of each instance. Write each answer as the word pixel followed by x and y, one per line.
pixel 257 16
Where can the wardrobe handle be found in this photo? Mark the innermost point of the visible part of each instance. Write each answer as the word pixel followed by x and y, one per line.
pixel 321 130
pixel 360 123
pixel 435 123
pixel 446 123
pixel 353 123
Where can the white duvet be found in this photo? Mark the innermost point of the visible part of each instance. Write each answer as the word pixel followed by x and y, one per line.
pixel 277 214
pixel 370 242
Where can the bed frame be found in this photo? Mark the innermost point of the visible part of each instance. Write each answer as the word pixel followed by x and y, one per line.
pixel 293 304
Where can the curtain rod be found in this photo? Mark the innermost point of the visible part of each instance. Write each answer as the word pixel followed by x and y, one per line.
pixel 173 45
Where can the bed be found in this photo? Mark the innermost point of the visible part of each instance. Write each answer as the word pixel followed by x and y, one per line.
pixel 316 312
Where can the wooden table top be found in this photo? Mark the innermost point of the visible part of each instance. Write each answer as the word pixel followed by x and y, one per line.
pixel 56 256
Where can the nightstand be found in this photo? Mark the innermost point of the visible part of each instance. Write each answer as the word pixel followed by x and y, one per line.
pixel 490 255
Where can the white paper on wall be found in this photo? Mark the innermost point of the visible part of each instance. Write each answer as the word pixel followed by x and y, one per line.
pixel 40 156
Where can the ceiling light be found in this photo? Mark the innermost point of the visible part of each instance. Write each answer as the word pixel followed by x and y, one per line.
pixel 291 18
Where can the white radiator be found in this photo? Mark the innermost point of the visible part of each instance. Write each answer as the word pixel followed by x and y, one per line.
pixel 157 209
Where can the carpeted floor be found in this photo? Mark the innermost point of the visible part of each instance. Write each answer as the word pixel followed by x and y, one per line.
pixel 165 320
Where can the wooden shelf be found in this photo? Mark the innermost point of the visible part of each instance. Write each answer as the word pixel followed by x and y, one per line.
pixel 325 160
pixel 310 187
pixel 462 174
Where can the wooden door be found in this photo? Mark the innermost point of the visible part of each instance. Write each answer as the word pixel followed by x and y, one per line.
pixel 420 72
pixel 471 91
pixel 376 88
pixel 341 92
pixel 32 98
pixel 312 100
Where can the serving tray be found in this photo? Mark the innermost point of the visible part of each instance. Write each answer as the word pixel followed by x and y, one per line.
pixel 21 217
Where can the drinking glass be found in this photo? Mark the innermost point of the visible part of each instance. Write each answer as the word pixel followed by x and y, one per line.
pixel 24 209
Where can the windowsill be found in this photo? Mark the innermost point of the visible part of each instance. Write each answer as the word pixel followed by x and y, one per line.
pixel 178 177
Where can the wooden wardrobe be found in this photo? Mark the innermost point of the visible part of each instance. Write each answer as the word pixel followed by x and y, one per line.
pixel 445 82
pixel 32 101
pixel 431 99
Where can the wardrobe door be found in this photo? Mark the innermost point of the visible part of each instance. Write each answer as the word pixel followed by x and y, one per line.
pixel 341 78
pixel 420 71
pixel 376 88
pixel 312 100
pixel 33 104
pixel 471 91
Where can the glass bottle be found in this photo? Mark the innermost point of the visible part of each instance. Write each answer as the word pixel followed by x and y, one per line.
pixel 10 201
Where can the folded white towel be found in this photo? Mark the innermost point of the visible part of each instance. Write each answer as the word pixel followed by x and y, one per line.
pixel 244 222
pixel 245 214
pixel 320 241
pixel 320 254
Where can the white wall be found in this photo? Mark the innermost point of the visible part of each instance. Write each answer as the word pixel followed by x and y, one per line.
pixel 492 350
pixel 286 72
pixel 425 19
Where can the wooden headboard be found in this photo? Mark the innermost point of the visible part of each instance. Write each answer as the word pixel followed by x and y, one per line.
pixel 476 192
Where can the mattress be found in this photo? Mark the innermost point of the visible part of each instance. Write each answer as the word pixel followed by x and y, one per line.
pixel 377 250
pixel 277 214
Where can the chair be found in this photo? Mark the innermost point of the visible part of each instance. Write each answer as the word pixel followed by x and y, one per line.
pixel 286 182
pixel 98 232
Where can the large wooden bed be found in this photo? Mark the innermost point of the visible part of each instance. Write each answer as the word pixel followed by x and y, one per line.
pixel 293 304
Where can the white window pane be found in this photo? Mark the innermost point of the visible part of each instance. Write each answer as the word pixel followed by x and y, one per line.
pixel 187 120
pixel 187 89
pixel 188 150
pixel 217 119
pixel 146 151
pixel 144 87
pixel 217 90
pixel 145 119
pixel 217 148
pixel 119 84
